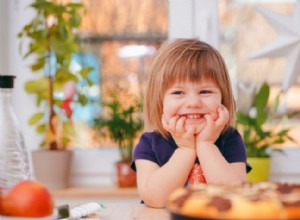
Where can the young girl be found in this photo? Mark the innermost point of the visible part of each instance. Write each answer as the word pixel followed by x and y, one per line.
pixel 189 109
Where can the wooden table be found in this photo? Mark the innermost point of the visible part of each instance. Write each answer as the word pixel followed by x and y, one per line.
pixel 88 192
pixel 131 212
pixel 121 203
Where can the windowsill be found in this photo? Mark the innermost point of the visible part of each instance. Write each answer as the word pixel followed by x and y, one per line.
pixel 88 192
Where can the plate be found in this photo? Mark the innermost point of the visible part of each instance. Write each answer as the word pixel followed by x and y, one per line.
pixel 176 216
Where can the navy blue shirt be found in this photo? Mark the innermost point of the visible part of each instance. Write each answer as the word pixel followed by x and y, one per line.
pixel 154 147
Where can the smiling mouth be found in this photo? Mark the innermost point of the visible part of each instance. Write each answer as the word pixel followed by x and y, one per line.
pixel 194 116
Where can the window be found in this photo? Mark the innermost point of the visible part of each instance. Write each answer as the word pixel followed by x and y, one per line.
pixel 120 41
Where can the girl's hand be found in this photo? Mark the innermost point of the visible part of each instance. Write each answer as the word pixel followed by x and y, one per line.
pixel 182 137
pixel 213 128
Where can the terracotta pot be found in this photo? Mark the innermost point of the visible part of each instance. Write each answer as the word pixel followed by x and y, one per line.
pixel 52 168
pixel 126 177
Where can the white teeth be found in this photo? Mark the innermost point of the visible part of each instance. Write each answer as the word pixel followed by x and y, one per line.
pixel 193 116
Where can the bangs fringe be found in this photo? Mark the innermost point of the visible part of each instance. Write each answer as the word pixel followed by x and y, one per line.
pixel 191 66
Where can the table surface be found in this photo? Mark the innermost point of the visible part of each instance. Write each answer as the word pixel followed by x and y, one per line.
pixel 87 192
pixel 116 212
pixel 120 208
pixel 130 212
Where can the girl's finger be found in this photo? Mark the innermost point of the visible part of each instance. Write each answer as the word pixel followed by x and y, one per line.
pixel 190 131
pixel 180 124
pixel 209 120
pixel 223 115
pixel 172 122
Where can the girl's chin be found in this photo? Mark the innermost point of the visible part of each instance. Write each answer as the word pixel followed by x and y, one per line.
pixel 197 128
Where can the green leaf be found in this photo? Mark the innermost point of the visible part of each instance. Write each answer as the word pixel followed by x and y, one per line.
pixel 244 119
pixel 36 86
pixel 75 20
pixel 261 118
pixel 38 65
pixel 262 97
pixel 41 128
pixel 84 72
pixel 82 99
pixel 36 118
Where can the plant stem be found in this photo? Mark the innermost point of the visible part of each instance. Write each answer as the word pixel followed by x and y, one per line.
pixel 53 143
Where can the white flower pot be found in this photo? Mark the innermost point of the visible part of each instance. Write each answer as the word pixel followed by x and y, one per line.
pixel 285 165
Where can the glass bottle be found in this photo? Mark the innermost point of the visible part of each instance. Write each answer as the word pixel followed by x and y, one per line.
pixel 14 162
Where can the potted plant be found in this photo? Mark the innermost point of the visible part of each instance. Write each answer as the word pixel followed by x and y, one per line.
pixel 52 41
pixel 261 128
pixel 121 121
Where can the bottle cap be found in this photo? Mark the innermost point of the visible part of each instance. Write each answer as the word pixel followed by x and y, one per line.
pixel 7 81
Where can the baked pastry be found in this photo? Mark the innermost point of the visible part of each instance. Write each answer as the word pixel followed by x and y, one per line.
pixel 264 200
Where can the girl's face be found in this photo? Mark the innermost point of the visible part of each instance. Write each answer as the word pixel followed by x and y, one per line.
pixel 192 101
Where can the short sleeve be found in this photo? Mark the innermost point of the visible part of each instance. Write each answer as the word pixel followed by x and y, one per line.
pixel 234 149
pixel 143 150
pixel 154 147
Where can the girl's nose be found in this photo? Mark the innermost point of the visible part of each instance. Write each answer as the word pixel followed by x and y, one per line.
pixel 193 101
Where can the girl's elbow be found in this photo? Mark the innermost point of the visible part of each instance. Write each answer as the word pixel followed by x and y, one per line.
pixel 153 203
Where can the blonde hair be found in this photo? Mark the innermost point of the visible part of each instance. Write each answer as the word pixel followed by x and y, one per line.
pixel 184 60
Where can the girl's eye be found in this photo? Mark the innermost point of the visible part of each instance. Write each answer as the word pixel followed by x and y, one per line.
pixel 177 92
pixel 205 92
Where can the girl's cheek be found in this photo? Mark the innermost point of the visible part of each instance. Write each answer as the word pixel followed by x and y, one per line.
pixel 167 117
pixel 168 110
pixel 215 113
